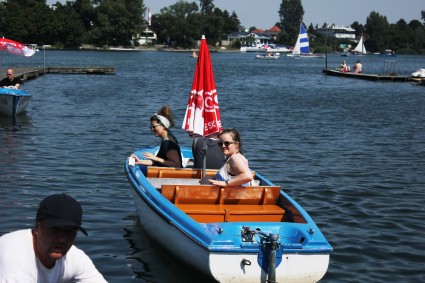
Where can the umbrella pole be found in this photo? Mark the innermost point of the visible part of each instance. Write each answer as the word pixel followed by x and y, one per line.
pixel 204 179
pixel 204 161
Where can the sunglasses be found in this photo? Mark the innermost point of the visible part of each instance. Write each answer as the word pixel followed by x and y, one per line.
pixel 154 126
pixel 226 143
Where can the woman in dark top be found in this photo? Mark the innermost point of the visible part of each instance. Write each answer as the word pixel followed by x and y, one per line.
pixel 169 154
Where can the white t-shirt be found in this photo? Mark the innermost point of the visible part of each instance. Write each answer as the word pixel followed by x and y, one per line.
pixel 18 263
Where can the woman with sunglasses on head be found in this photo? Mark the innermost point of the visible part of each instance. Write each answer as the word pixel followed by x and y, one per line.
pixel 235 172
pixel 169 154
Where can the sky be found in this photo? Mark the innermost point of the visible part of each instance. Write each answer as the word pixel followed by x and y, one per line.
pixel 264 14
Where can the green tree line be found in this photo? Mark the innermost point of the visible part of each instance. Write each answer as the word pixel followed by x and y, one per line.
pixel 112 22
pixel 118 22
pixel 69 25
pixel 379 34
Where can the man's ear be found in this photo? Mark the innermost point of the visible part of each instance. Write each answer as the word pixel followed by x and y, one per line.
pixel 37 226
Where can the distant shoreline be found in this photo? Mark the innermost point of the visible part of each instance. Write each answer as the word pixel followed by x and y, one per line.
pixel 156 48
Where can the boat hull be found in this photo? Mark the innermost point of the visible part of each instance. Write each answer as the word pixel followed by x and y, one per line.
pixel 307 56
pixel 292 269
pixel 419 74
pixel 159 228
pixel 13 101
pixel 266 57
pixel 218 250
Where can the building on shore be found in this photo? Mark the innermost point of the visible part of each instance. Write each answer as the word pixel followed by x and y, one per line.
pixel 145 37
pixel 339 32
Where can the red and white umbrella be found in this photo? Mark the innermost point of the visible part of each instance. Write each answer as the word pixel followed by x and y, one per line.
pixel 202 115
pixel 15 47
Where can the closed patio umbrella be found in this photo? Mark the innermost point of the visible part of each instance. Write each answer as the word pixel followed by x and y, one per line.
pixel 202 117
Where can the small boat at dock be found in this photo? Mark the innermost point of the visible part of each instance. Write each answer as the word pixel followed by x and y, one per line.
pixel 13 101
pixel 233 234
pixel 419 74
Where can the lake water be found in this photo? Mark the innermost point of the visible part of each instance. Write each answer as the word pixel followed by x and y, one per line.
pixel 351 152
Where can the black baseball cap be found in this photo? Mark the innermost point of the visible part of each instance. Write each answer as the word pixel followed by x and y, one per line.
pixel 61 210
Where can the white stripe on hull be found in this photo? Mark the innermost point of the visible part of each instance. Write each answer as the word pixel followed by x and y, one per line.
pixel 296 268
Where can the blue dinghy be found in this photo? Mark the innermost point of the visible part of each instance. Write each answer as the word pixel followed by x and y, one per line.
pixel 233 234
pixel 13 101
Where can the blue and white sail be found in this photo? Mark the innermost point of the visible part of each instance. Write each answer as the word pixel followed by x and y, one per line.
pixel 302 46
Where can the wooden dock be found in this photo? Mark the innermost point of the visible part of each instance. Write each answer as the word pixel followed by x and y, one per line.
pixel 370 77
pixel 29 73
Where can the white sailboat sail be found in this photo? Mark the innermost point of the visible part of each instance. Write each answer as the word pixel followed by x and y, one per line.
pixel 360 47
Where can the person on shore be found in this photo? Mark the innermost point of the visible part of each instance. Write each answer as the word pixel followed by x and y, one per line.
pixel 169 154
pixel 46 253
pixel 10 81
pixel 235 171
pixel 358 67
pixel 207 147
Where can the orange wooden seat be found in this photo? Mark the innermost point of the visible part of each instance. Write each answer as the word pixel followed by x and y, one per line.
pixel 207 203
pixel 171 172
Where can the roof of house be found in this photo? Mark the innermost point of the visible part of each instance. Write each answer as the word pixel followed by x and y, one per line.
pixel 274 29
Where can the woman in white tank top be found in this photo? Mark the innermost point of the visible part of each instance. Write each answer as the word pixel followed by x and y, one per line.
pixel 235 172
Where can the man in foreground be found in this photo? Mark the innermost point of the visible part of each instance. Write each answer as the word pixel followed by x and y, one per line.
pixel 46 254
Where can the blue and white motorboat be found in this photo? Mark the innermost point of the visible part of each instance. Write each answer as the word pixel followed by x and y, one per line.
pixel 13 101
pixel 233 234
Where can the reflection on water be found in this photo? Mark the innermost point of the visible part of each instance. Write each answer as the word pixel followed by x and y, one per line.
pixel 13 147
pixel 148 258
pixel 14 124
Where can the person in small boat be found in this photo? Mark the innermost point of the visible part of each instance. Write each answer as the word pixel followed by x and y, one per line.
pixel 214 154
pixel 358 67
pixel 235 171
pixel 46 252
pixel 10 81
pixel 169 154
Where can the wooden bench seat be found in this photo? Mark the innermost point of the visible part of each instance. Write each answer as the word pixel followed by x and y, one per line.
pixel 207 203
pixel 207 213
pixel 158 182
pixel 171 172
